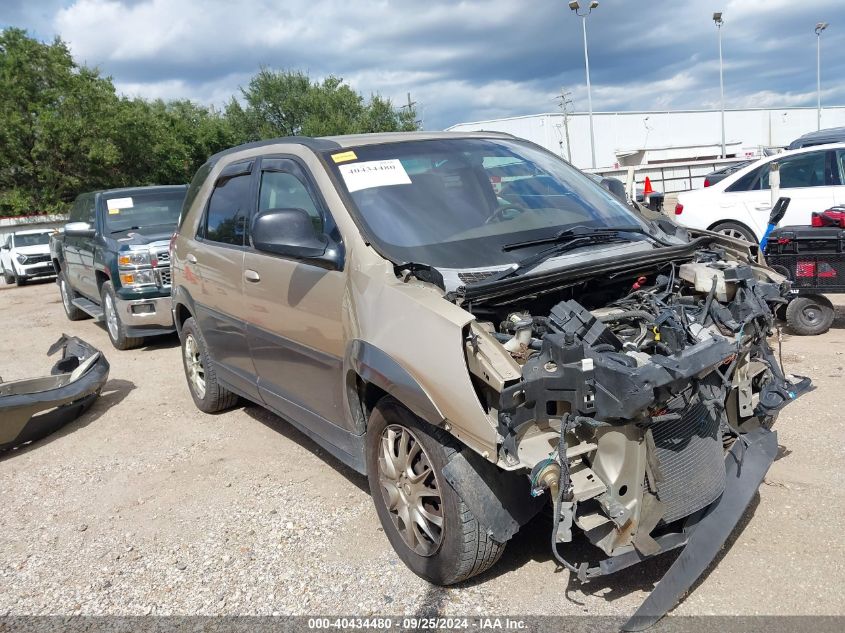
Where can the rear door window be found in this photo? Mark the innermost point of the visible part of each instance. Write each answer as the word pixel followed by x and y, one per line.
pixel 229 207
pixel 803 170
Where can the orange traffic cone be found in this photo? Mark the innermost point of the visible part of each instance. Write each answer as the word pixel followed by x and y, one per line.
pixel 647 188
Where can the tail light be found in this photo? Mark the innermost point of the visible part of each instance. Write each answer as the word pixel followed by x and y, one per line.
pixel 809 269
pixel 706 182
pixel 679 208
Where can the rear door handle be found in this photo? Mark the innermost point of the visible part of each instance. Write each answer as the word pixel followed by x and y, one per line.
pixel 191 258
pixel 251 275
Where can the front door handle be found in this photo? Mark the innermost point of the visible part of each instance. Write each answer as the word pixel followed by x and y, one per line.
pixel 191 258
pixel 251 275
pixel 763 207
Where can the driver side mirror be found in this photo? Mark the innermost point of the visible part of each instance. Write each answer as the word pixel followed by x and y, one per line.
pixel 79 229
pixel 291 233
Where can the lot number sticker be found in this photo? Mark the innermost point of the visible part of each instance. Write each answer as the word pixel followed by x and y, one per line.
pixel 116 204
pixel 374 173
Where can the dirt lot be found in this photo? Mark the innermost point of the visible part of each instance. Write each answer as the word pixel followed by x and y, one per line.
pixel 145 505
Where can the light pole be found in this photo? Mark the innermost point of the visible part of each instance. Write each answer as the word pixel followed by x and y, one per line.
pixel 821 26
pixel 576 7
pixel 717 18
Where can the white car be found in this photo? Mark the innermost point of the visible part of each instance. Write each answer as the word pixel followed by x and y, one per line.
pixel 739 206
pixel 25 255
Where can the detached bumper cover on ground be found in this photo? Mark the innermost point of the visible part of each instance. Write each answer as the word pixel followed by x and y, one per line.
pixel 33 408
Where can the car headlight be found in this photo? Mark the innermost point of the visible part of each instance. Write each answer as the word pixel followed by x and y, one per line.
pixel 135 278
pixel 21 258
pixel 132 259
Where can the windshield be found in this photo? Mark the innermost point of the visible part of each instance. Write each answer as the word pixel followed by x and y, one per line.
pixel 31 239
pixel 455 203
pixel 142 210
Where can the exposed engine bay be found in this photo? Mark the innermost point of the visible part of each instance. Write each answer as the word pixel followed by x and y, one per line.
pixel 622 395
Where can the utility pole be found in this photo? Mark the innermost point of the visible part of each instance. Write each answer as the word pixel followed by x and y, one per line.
pixel 821 26
pixel 565 103
pixel 575 6
pixel 717 18
pixel 410 106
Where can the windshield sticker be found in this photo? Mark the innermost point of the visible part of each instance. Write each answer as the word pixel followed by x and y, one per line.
pixel 374 173
pixel 116 204
pixel 344 156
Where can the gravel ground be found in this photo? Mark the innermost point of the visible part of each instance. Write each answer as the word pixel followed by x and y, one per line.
pixel 147 506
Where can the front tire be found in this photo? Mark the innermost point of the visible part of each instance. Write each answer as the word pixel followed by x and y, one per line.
pixel 208 395
pixel 114 326
pixel 431 529
pixel 68 295
pixel 735 230
pixel 810 315
pixel 8 277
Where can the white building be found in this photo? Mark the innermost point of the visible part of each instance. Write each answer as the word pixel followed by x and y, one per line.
pixel 661 137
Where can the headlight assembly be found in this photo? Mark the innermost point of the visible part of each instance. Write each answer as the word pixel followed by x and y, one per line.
pixel 136 278
pixel 21 258
pixel 134 259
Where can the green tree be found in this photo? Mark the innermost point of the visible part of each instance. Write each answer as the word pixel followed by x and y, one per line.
pixel 288 103
pixel 64 130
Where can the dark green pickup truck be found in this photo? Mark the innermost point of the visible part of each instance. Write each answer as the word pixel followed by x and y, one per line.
pixel 113 261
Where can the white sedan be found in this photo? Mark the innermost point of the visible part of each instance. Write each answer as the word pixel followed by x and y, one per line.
pixel 739 206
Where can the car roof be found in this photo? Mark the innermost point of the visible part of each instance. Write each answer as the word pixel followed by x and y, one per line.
pixel 819 137
pixel 328 143
pixel 140 190
pixel 34 231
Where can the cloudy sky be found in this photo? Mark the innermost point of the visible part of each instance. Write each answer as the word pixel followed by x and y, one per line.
pixel 461 61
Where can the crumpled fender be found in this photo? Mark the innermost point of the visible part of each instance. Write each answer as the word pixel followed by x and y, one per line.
pixel 746 464
pixel 33 408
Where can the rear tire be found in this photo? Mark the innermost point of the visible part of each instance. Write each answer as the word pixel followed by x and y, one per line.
pixel 208 395
pixel 810 315
pixel 114 326
pixel 461 547
pixel 68 295
pixel 732 229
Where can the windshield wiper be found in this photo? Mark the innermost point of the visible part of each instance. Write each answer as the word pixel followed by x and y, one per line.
pixel 573 242
pixel 585 231
pixel 136 228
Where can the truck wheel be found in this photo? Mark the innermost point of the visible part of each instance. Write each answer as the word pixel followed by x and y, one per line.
pixel 209 396
pixel 68 295
pixel 8 277
pixel 431 529
pixel 810 315
pixel 732 229
pixel 19 281
pixel 114 326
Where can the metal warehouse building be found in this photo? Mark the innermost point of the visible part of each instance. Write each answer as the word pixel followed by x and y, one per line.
pixel 661 137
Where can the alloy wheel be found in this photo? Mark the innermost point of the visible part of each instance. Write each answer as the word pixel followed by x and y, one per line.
pixel 111 317
pixel 410 490
pixel 65 296
pixel 193 366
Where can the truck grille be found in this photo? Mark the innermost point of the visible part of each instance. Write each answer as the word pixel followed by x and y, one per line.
pixel 691 460
pixel 163 258
pixel 163 276
pixel 36 259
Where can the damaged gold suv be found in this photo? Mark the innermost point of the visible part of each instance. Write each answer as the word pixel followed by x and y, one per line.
pixel 483 330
